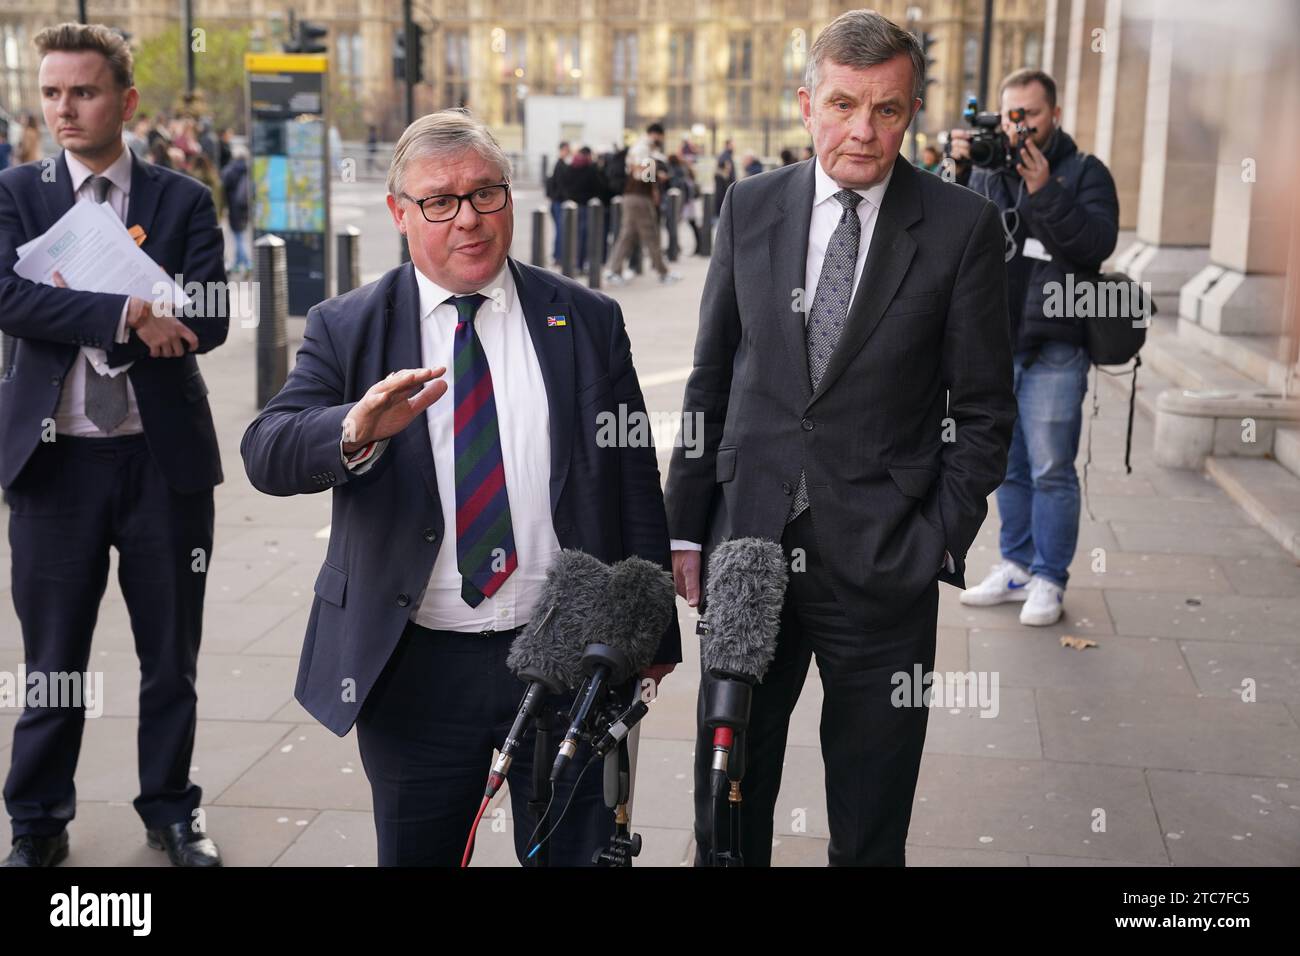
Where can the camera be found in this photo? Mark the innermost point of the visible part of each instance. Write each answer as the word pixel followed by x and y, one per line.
pixel 990 147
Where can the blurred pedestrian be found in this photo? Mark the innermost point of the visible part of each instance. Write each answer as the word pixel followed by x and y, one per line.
pixel 29 144
pixel 930 159
pixel 237 186
pixel 724 174
pixel 581 185
pixel 641 192
pixel 554 192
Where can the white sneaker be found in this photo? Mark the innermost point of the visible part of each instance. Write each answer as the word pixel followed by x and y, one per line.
pixel 1006 582
pixel 1044 604
pixel 670 277
pixel 614 278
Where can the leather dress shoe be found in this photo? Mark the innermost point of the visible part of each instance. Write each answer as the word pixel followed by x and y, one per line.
pixel 184 846
pixel 38 850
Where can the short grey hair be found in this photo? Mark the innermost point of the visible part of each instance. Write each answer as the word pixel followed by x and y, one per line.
pixel 863 38
pixel 443 134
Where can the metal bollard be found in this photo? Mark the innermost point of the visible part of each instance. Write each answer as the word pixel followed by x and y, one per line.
pixel 674 220
pixel 348 254
pixel 272 311
pixel 405 252
pixel 539 236
pixel 7 346
pixel 569 235
pixel 705 248
pixel 615 218
pixel 595 241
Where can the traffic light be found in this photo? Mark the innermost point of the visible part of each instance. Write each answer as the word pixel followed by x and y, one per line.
pixel 927 41
pixel 307 37
pixel 400 58
pixel 399 55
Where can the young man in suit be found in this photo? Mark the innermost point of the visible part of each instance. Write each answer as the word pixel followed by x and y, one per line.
pixel 106 441
pixel 853 371
pixel 453 408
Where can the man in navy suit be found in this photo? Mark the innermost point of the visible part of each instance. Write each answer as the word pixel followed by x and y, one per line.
pixel 451 499
pixel 106 441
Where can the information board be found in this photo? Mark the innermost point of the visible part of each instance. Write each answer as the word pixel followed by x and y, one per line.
pixel 288 122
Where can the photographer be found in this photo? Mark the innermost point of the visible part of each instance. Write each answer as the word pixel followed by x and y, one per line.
pixel 1060 215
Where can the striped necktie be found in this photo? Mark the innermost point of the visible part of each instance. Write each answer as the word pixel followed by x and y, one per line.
pixel 485 539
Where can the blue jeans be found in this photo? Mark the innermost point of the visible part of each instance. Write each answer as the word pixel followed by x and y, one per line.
pixel 241 250
pixel 557 216
pixel 1039 499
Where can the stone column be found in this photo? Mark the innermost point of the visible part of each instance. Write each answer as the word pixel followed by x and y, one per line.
pixel 1056 37
pixel 1121 99
pixel 1083 70
pixel 1241 291
pixel 1184 110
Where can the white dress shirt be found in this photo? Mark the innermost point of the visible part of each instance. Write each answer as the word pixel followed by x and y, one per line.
pixel 826 212
pixel 70 414
pixel 524 427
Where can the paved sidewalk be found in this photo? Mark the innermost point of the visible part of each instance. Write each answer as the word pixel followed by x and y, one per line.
pixel 1145 733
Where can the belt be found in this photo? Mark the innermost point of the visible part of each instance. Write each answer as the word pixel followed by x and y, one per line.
pixel 492 632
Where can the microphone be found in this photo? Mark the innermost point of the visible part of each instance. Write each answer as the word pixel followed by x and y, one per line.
pixel 639 604
pixel 619 729
pixel 547 655
pixel 742 614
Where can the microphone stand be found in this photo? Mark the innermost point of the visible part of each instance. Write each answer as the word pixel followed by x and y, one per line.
pixel 543 752
pixel 624 844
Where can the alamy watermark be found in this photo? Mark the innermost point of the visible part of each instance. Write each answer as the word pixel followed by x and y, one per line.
pixel 635 428
pixel 71 689
pixel 951 689
pixel 1101 298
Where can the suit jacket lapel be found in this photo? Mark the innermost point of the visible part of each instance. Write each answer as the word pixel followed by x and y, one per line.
pixel 554 347
pixel 887 262
pixel 57 195
pixel 788 252
pixel 145 192
pixel 402 349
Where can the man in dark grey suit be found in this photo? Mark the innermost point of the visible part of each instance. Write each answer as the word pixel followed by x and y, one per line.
pixel 853 372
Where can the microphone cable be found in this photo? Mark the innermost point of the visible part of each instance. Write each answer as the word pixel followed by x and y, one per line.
pixel 473 831
pixel 556 825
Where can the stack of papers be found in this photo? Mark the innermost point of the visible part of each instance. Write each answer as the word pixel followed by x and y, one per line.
pixel 93 252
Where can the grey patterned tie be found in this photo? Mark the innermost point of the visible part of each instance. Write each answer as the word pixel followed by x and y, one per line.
pixel 830 308
pixel 106 404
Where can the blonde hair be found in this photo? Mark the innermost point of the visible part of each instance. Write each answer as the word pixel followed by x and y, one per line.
pixel 444 133
pixel 73 37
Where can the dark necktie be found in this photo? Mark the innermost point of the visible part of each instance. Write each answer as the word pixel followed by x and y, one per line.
pixel 106 401
pixel 830 308
pixel 485 538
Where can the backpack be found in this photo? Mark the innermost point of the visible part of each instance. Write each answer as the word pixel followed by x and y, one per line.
pixel 1114 339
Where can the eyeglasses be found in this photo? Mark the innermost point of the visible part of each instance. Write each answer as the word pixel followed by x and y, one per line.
pixel 442 208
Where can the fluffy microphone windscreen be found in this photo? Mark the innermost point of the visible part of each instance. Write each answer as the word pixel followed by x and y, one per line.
pixel 571 612
pixel 641 600
pixel 745 591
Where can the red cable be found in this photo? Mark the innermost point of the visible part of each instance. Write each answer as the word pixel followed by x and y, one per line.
pixel 469 844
